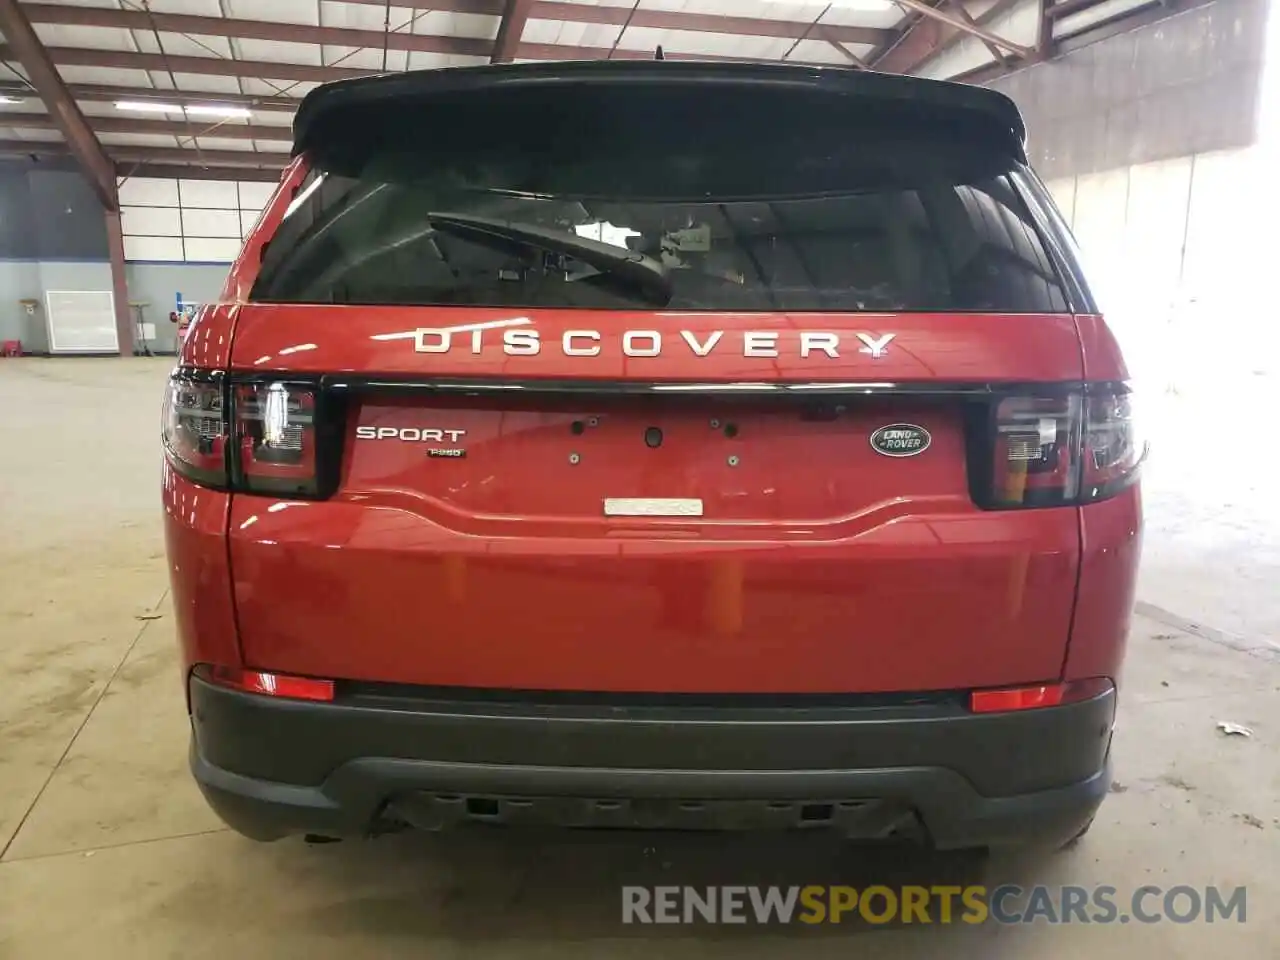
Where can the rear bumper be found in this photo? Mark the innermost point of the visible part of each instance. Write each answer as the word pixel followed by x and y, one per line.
pixel 273 767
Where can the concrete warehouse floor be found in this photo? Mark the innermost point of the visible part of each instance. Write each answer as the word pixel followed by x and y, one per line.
pixel 109 851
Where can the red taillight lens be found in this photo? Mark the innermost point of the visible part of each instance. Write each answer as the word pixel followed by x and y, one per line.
pixel 1036 451
pixel 1054 451
pixel 272 684
pixel 194 429
pixel 257 437
pixel 275 437
pixel 1034 697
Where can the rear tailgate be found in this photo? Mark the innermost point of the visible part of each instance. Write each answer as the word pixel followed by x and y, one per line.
pixel 817 563
pixel 615 405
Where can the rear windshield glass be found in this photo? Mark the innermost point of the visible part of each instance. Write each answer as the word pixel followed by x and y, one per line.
pixel 775 203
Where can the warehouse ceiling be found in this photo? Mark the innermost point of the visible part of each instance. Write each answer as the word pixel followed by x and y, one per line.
pixel 212 84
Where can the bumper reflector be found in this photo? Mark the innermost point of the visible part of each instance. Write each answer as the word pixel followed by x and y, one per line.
pixel 272 684
pixel 1034 697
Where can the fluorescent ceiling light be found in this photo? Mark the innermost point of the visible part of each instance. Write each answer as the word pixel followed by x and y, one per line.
pixel 4 99
pixel 195 110
pixel 216 110
pixel 148 106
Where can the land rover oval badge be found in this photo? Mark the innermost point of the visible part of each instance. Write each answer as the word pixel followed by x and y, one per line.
pixel 900 440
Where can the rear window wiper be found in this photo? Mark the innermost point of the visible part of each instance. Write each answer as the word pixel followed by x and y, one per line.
pixel 642 272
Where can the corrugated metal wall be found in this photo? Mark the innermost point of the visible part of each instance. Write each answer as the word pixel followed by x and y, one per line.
pixel 1178 253
pixel 1188 84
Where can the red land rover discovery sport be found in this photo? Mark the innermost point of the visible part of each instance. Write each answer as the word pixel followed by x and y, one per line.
pixel 654 444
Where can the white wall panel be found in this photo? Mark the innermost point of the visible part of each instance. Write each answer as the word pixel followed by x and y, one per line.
pixel 209 194
pixel 1149 284
pixel 1177 256
pixel 1227 256
pixel 151 221
pixel 255 194
pixel 210 223
pixel 1064 195
pixel 1156 221
pixel 153 248
pixel 1098 224
pixel 212 250
pixel 148 192
pixel 211 216
pixel 1229 269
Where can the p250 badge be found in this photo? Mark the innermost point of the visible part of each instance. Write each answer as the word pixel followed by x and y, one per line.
pixel 900 440
pixel 418 435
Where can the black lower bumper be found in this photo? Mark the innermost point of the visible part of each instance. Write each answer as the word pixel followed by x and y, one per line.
pixel 272 767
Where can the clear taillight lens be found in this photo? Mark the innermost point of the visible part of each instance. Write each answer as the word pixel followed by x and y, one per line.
pixel 275 436
pixel 194 429
pixel 1113 446
pixel 1054 451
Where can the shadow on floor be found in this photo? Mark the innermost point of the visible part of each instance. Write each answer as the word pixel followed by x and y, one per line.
pixel 485 884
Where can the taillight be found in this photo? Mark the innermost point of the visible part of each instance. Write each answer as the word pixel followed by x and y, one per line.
pixel 262 436
pixel 194 429
pixel 1046 451
pixel 1113 447
pixel 275 437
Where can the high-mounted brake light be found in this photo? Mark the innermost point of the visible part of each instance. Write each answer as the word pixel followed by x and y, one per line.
pixel 1074 448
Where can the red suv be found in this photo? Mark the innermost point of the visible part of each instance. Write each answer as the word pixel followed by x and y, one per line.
pixel 654 444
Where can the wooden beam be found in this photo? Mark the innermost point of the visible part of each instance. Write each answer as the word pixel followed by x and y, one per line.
pixel 514 17
pixel 209 66
pixel 177 171
pixel 98 169
pixel 700 22
pixel 25 47
pixel 260 69
pixel 252 29
pixel 124 154
pixel 973 29
pixel 1067 7
pixel 616 15
pixel 958 7
pixel 926 38
pixel 109 93
pixel 238 28
pixel 225 158
pixel 1044 31
pixel 119 281
pixel 845 52
pixel 202 127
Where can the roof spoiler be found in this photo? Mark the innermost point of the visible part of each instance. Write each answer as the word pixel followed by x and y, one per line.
pixel 327 103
